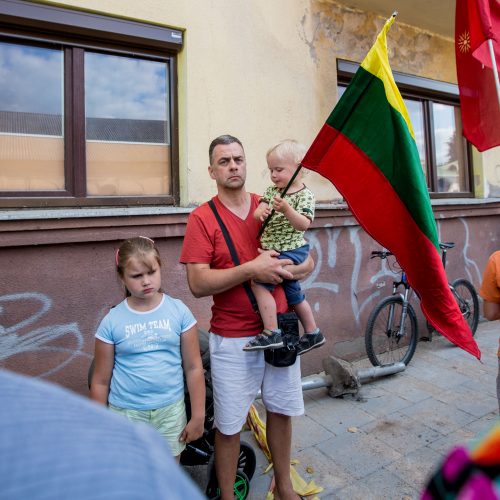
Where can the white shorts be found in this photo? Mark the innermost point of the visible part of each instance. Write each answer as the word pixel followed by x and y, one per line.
pixel 237 377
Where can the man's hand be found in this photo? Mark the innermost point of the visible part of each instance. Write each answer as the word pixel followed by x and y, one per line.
pixel 268 269
pixel 303 270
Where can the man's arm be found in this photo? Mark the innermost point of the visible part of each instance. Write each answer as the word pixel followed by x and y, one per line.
pixel 491 310
pixel 204 281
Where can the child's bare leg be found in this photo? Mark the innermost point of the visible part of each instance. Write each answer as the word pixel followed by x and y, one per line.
pixel 267 306
pixel 305 314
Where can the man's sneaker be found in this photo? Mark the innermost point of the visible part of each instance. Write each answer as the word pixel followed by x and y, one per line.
pixel 310 341
pixel 268 339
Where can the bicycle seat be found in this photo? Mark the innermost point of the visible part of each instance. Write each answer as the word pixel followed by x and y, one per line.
pixel 448 244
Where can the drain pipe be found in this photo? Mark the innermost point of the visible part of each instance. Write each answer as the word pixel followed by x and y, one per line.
pixel 339 377
pixel 365 375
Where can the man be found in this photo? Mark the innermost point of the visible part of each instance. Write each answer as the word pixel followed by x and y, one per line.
pixel 490 292
pixel 55 444
pixel 237 375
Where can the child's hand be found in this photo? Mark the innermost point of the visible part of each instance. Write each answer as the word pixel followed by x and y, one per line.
pixel 192 431
pixel 280 205
pixel 265 214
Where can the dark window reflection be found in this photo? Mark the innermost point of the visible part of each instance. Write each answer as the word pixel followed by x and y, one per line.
pixel 31 90
pixel 126 99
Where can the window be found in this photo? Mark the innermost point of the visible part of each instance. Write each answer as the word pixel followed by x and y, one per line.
pixel 86 118
pixel 435 116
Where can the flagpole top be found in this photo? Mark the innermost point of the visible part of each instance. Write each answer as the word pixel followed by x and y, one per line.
pixel 395 13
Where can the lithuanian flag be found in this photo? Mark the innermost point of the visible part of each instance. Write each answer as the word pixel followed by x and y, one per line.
pixel 367 150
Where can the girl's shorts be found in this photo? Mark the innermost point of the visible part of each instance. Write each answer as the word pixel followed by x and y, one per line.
pixel 237 377
pixel 169 420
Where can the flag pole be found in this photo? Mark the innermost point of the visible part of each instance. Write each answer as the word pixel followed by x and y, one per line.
pixel 394 14
pixel 495 70
pixel 282 194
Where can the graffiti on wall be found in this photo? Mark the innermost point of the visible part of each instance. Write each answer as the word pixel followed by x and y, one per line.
pixel 26 337
pixel 348 284
pixel 377 281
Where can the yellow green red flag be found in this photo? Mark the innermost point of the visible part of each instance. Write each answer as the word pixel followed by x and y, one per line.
pixel 367 150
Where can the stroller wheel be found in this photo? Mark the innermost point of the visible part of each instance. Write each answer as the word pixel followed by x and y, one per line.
pixel 241 486
pixel 247 462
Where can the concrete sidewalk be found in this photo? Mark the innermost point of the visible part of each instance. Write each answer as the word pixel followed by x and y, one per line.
pixel 383 442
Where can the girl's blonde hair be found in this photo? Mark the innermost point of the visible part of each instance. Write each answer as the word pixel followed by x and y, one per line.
pixel 288 149
pixel 142 248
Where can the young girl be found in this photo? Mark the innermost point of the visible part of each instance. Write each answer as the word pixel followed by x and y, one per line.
pixel 285 234
pixel 143 348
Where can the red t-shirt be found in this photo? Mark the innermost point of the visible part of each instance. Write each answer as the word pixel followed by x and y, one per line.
pixel 204 243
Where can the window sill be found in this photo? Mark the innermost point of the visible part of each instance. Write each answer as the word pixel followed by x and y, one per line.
pixel 78 213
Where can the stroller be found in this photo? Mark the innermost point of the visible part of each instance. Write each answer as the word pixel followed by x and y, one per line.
pixel 201 451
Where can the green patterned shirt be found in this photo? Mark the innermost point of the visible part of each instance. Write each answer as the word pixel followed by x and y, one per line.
pixel 279 234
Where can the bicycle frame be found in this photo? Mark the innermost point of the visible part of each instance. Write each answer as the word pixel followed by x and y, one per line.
pixel 406 296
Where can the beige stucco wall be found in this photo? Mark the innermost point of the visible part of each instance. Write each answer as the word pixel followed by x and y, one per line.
pixel 266 70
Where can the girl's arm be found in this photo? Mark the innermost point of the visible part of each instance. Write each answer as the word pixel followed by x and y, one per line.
pixel 298 221
pixel 104 360
pixel 193 369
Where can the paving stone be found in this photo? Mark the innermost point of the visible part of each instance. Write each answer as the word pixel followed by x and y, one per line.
pixel 473 402
pixel 381 485
pixel 382 402
pixel 359 453
pixel 337 414
pixel 439 416
pixel 402 433
pixel 417 466
pixel 315 465
pixel 403 424
pixel 308 432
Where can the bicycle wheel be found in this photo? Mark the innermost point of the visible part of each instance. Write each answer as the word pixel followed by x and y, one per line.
pixel 384 344
pixel 466 296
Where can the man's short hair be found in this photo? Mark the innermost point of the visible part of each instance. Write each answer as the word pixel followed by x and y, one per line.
pixel 222 139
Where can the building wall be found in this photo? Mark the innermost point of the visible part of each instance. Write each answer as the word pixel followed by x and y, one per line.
pixel 58 283
pixel 263 71
pixel 266 71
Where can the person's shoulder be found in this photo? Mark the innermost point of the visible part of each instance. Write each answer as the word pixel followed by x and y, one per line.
pixel 116 309
pixel 104 449
pixel 494 260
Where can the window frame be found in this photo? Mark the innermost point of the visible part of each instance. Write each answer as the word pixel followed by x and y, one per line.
pixel 44 25
pixel 426 91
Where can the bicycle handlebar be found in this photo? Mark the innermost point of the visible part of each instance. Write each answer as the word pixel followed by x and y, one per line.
pixel 383 254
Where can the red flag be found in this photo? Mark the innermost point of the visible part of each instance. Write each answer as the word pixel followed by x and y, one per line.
pixel 477 21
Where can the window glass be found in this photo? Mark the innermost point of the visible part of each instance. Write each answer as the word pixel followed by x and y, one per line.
pixel 31 118
pixel 416 112
pixel 448 150
pixel 127 126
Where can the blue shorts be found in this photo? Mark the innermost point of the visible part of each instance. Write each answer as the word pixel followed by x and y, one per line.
pixel 293 292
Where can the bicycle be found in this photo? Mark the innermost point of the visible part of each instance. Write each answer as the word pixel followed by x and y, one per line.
pixel 465 294
pixel 392 328
pixel 391 331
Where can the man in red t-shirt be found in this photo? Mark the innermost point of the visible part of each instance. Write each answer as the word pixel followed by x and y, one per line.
pixel 490 292
pixel 237 376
